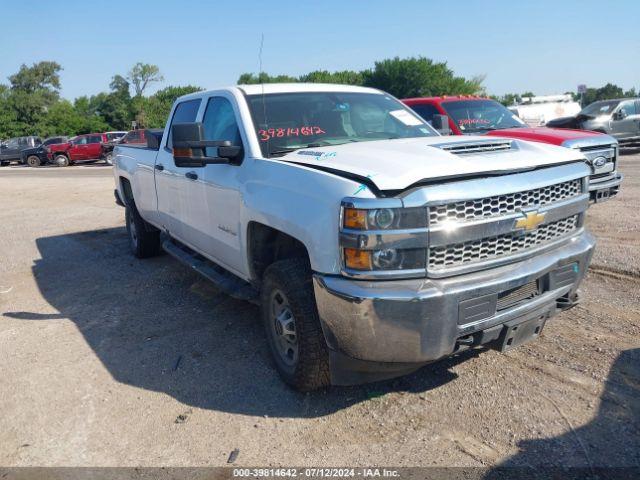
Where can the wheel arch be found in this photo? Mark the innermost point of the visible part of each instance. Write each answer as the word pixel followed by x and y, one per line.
pixel 266 245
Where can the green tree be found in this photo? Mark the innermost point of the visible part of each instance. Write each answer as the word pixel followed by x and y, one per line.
pixel 33 90
pixel 345 77
pixel 251 79
pixel 419 77
pixel 9 125
pixel 142 75
pixel 115 107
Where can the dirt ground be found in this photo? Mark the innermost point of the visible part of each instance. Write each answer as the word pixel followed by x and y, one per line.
pixel 106 360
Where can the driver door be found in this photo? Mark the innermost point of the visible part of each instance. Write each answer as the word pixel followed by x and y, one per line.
pixel 628 126
pixel 213 201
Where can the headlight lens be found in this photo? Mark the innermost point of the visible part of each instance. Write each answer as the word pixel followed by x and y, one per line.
pixel 384 218
pixel 387 259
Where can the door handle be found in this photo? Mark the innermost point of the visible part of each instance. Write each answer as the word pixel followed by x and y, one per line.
pixel 191 175
pixel 159 167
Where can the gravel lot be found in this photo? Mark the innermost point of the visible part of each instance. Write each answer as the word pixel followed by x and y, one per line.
pixel 110 361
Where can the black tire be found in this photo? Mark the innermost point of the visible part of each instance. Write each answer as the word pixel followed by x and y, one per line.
pixel 61 161
pixel 144 239
pixel 308 367
pixel 4 164
pixel 33 161
pixel 108 158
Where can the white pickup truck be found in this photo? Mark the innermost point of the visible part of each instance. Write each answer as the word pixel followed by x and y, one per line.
pixel 372 244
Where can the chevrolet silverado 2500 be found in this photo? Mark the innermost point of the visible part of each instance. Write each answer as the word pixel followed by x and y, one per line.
pixel 372 244
pixel 469 115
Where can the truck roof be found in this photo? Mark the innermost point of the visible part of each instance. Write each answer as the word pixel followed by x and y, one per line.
pixel 303 87
pixel 269 88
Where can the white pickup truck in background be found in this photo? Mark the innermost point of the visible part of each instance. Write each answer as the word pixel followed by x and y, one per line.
pixel 372 244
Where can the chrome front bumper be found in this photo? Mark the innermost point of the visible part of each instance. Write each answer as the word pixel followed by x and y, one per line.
pixel 600 191
pixel 380 329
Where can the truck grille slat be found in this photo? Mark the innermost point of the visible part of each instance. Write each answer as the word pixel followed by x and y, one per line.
pixel 491 247
pixel 516 295
pixel 503 204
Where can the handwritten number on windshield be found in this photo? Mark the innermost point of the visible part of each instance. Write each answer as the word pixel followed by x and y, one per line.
pixel 289 132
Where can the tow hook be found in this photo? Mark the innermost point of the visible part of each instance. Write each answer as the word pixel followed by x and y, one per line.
pixel 568 301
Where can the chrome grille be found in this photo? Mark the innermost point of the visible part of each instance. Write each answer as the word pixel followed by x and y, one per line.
pixel 503 204
pixel 491 247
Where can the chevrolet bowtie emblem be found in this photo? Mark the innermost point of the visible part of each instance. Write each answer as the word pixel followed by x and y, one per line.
pixel 529 221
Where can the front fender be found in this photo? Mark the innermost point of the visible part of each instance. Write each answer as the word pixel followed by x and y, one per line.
pixel 301 202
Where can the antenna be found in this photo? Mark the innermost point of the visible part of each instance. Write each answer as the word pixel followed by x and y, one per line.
pixel 264 104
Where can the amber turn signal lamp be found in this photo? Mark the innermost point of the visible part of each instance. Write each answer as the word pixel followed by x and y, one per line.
pixel 357 259
pixel 182 152
pixel 355 218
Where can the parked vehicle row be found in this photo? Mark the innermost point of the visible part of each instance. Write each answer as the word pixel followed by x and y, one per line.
pixel 470 115
pixel 64 151
pixel 372 244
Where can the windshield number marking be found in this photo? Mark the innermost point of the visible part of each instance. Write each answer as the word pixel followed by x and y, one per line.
pixel 289 132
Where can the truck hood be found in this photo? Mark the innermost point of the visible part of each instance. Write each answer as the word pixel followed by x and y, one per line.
pixel 399 163
pixel 555 136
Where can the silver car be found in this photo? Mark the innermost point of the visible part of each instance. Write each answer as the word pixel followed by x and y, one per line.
pixel 619 118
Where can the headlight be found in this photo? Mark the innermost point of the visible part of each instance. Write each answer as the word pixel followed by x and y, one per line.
pixel 384 218
pixel 387 242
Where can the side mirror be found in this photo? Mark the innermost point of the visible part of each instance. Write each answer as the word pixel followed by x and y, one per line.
pixel 441 124
pixel 189 148
pixel 620 115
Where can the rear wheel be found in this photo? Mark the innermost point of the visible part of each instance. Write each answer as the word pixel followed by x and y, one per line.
pixel 144 239
pixel 61 160
pixel 33 161
pixel 108 158
pixel 292 325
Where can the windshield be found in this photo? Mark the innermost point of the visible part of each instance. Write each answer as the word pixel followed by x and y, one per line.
pixel 315 119
pixel 599 108
pixel 481 115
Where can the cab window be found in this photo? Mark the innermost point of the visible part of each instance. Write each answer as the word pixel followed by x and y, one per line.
pixel 629 108
pixel 425 110
pixel 220 123
pixel 185 112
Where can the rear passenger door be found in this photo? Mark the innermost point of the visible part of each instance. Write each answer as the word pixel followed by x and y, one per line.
pixel 173 183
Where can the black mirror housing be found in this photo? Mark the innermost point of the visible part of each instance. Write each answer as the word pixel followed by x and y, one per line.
pixel 189 148
pixel 441 124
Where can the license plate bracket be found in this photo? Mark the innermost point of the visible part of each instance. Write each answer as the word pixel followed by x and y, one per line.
pixel 520 331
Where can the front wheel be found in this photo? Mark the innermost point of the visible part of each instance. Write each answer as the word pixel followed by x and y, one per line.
pixel 292 325
pixel 108 158
pixel 33 161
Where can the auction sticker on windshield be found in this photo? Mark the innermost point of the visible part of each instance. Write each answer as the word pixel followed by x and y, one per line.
pixel 405 117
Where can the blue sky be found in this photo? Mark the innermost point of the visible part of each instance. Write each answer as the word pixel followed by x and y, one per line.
pixel 543 46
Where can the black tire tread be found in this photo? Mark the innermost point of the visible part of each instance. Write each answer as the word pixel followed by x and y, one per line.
pixel 148 244
pixel 293 277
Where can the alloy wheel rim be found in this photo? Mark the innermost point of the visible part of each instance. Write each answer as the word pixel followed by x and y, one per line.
pixel 283 328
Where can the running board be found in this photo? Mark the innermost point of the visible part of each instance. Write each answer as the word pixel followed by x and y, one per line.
pixel 221 278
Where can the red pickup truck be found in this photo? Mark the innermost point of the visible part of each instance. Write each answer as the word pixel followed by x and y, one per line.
pixel 88 147
pixel 471 115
